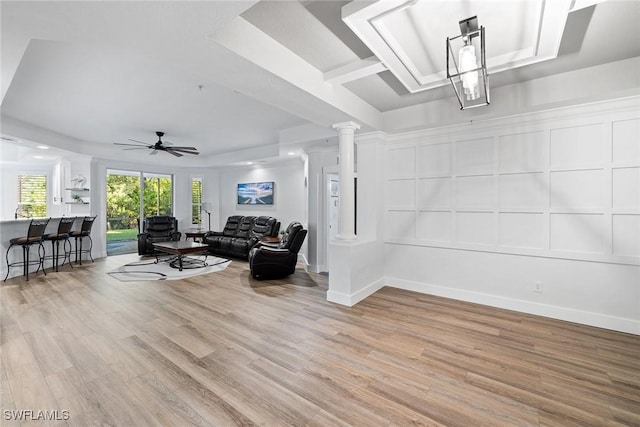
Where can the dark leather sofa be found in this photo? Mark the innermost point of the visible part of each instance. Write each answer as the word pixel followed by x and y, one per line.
pixel 156 229
pixel 268 261
pixel 240 234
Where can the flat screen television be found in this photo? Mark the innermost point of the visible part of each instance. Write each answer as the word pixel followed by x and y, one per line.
pixel 255 193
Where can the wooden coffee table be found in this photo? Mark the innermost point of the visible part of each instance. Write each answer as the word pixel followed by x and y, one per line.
pixel 195 234
pixel 180 250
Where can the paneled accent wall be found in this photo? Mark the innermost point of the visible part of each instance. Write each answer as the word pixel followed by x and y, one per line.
pixel 566 188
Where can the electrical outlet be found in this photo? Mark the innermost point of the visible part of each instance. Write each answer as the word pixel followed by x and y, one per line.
pixel 537 287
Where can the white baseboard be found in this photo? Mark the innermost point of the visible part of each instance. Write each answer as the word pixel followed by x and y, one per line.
pixel 315 268
pixel 599 320
pixel 352 299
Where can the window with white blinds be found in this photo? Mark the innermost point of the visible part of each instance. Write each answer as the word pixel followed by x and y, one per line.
pixel 32 196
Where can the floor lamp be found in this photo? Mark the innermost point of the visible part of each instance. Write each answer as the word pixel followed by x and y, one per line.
pixel 206 206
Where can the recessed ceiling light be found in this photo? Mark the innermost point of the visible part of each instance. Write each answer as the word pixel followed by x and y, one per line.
pixel 42 147
pixel 249 163
pixel 291 153
pixel 38 157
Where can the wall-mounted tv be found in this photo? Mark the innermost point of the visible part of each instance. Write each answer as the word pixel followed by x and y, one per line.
pixel 255 193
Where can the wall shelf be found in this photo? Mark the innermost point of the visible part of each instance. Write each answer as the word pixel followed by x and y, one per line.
pixel 78 196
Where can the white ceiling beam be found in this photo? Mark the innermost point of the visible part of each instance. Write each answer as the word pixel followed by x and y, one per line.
pixel 581 4
pixel 355 71
pixel 250 43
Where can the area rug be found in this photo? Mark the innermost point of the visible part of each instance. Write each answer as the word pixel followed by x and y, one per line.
pixel 149 269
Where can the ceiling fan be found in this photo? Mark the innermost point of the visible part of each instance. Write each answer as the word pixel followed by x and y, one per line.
pixel 160 146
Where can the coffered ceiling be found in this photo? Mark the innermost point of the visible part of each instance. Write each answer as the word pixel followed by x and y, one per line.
pixel 247 80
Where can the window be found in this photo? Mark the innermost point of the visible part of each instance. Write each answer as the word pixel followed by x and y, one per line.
pixel 32 196
pixel 157 194
pixel 196 200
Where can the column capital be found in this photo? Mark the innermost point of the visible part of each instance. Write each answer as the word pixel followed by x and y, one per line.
pixel 346 125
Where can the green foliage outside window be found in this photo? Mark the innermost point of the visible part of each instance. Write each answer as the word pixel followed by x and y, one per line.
pixel 123 199
pixel 196 200
pixel 32 196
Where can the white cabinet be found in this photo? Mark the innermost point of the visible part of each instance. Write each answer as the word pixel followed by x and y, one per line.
pixel 60 177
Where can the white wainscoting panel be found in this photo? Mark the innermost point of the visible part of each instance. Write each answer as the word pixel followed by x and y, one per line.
pixel 504 205
pixel 523 191
pixel 577 232
pixel 474 157
pixel 576 146
pixel 626 188
pixel 401 224
pixel 524 152
pixel 401 163
pixel 522 230
pixel 434 226
pixel 401 193
pixel 626 235
pixel 434 193
pixel 434 160
pixel 626 141
pixel 475 228
pixel 577 189
pixel 566 186
pixel 475 192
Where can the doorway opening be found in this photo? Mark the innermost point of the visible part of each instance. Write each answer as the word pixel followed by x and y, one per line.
pixel 131 197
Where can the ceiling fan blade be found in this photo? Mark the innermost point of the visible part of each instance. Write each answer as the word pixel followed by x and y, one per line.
pixel 132 145
pixel 135 148
pixel 174 153
pixel 153 152
pixel 139 142
pixel 185 152
pixel 184 148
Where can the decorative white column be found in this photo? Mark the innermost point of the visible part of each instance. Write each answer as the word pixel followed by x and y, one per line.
pixel 346 220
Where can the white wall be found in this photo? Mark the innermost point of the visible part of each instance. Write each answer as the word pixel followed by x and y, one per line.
pixel 289 193
pixel 483 212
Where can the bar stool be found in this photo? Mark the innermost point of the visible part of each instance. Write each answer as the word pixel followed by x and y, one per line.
pixel 34 236
pixel 85 231
pixel 64 228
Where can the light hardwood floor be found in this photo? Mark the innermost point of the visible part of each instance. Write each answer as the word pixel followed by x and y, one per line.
pixel 223 349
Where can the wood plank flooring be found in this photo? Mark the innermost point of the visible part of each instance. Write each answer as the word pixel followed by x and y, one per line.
pixel 223 349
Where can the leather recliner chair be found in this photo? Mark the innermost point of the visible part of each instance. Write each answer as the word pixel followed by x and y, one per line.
pixel 274 261
pixel 156 229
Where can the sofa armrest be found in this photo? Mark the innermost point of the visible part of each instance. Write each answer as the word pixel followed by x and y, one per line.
pixel 252 242
pixel 269 252
pixel 271 245
pixel 142 243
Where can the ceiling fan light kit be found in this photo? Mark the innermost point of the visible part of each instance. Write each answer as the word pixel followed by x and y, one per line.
pixel 469 78
pixel 159 146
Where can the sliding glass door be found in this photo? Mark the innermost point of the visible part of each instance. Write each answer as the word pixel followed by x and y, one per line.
pixel 131 197
pixel 158 194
